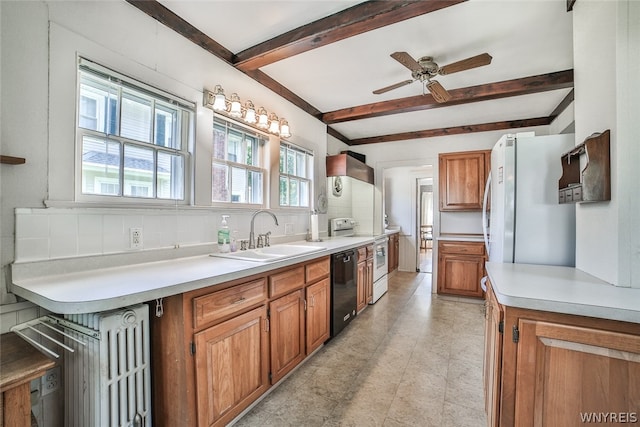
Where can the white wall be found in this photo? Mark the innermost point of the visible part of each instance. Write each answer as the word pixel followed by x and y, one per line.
pixel 608 233
pixel 40 44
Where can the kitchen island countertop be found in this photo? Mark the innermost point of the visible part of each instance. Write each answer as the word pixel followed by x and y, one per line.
pixel 565 290
pixel 90 290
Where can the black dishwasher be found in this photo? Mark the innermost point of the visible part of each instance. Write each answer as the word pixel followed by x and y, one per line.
pixel 344 291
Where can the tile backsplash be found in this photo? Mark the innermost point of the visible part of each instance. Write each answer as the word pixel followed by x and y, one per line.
pixel 58 233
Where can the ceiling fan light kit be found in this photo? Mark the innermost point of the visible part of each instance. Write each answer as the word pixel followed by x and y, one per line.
pixel 425 68
pixel 233 108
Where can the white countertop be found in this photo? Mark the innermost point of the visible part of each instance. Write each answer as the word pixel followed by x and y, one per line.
pixel 100 289
pixel 562 290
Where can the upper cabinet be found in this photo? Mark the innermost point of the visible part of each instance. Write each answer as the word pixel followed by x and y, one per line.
pixel 462 180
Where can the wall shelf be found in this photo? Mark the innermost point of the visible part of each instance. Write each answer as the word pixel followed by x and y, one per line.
pixel 593 182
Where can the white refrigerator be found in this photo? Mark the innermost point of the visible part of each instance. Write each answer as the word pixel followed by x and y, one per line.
pixel 526 224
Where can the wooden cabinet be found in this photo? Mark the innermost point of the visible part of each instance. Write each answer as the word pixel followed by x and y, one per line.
pixel 493 332
pixel 393 254
pixel 562 370
pixel 231 365
pixel 462 177
pixel 460 268
pixel 217 349
pixel 364 277
pixel 287 324
pixel 318 297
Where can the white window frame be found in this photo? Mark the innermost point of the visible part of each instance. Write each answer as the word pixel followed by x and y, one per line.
pixel 185 132
pixel 262 141
pixel 309 158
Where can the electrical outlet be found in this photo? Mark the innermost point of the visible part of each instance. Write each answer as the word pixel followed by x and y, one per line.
pixel 288 229
pixel 50 381
pixel 135 238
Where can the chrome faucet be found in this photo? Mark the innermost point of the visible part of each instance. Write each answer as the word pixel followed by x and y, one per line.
pixel 252 238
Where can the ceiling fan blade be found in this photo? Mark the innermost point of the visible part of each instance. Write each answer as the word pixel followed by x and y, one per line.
pixel 438 92
pixel 466 64
pixel 405 59
pixel 394 86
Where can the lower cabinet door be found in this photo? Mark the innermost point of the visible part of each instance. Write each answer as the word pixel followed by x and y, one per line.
pixel 318 314
pixel 460 274
pixel 361 286
pixel 286 319
pixel 573 376
pixel 232 367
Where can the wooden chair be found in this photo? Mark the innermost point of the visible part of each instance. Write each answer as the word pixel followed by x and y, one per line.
pixel 426 236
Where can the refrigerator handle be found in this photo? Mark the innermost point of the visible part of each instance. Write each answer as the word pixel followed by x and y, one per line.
pixel 485 221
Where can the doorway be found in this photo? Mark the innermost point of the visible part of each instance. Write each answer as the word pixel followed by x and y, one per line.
pixel 424 223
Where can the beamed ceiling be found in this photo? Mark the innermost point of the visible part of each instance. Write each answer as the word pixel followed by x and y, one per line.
pixel 327 57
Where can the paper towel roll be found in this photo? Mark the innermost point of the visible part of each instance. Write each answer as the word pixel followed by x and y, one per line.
pixel 315 234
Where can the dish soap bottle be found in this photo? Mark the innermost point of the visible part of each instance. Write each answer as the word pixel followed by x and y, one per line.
pixel 224 235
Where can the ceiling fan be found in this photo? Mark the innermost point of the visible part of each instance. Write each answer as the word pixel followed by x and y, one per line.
pixel 425 69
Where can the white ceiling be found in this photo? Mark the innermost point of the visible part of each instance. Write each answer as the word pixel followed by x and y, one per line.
pixel 524 37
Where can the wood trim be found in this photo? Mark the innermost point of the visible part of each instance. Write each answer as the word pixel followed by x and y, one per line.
pixel 563 104
pixel 10 160
pixel 174 22
pixel 456 130
pixel 350 22
pixel 503 89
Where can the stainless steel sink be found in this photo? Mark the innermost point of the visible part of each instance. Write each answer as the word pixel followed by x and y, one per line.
pixel 271 253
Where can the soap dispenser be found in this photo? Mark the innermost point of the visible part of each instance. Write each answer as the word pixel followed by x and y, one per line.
pixel 224 238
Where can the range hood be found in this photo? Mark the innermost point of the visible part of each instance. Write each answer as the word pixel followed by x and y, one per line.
pixel 345 165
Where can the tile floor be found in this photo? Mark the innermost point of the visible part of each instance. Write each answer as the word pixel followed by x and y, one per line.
pixel 412 359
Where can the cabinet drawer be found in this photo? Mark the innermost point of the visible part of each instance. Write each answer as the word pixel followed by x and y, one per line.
pixel 369 251
pixel 470 248
pixel 282 283
pixel 317 270
pixel 362 253
pixel 224 303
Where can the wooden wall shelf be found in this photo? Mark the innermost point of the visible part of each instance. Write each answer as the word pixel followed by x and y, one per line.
pixel 9 160
pixel 345 165
pixel 593 183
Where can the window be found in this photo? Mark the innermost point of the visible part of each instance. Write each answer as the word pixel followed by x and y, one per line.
pixel 237 172
pixel 134 139
pixel 296 176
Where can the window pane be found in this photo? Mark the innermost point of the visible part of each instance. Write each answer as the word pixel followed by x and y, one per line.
pixel 284 191
pixel 291 162
pixel 219 142
pixel 304 193
pixel 252 150
pixel 139 166
pixel 98 106
pixel 301 165
pixel 255 187
pixel 100 166
pixel 166 126
pixel 136 117
pixel 238 185
pixel 294 195
pixel 283 158
pixel 170 176
pixel 234 147
pixel 220 183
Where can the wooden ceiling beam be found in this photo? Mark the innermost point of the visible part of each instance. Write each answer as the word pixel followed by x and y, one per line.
pixel 174 22
pixel 350 22
pixel 455 130
pixel 507 88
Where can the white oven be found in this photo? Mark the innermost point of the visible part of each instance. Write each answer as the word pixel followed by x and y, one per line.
pixel 380 268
